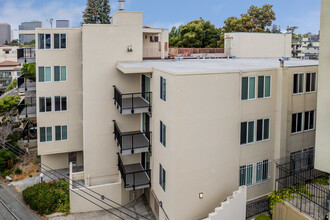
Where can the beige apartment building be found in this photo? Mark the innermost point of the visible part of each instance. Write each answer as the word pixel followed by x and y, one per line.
pixel 185 133
pixel 322 156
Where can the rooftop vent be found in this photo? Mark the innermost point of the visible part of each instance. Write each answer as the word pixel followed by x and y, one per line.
pixel 121 5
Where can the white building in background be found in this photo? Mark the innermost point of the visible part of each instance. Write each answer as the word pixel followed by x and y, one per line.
pixel 307 48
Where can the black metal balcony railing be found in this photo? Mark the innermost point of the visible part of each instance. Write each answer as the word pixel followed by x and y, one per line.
pixel 26 54
pixel 134 175
pixel 132 142
pixel 139 102
pixel 25 83
pixel 27 108
pixel 309 197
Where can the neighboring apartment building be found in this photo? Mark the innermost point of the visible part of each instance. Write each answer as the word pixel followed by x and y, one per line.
pixel 307 48
pixel 26 26
pixel 322 160
pixel 9 70
pixel 187 134
pixel 5 33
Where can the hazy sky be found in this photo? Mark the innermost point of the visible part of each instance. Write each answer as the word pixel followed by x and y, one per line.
pixel 166 13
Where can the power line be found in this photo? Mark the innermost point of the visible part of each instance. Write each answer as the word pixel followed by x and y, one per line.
pixel 19 151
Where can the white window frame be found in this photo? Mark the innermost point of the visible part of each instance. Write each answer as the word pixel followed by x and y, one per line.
pixel 262 167
pixel 311 82
pixel 302 122
pixel 264 90
pixel 248 92
pixel 46 141
pixel 67 103
pixel 303 83
pixel 247 132
pixel 51 44
pixel 263 130
pixel 245 178
pixel 51 74
pixel 45 102
pixel 309 118
pixel 66 73
pixel 66 41
pixel 67 132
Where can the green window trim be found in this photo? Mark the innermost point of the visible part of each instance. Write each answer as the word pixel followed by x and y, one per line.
pixel 163 89
pixel 162 177
pixel 162 134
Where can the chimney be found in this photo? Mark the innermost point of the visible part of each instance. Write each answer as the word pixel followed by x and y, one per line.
pixel 121 5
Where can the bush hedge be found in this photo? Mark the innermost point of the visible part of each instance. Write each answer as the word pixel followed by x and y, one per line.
pixel 48 198
pixel 7 161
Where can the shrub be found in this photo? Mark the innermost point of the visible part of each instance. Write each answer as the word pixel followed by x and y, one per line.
pixel 18 171
pixel 12 85
pixel 323 180
pixel 263 217
pixel 7 161
pixel 47 198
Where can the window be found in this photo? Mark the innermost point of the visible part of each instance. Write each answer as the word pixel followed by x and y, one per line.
pixel 151 39
pixel 162 133
pixel 310 82
pixel 262 171
pixel 247 132
pixel 298 82
pixel 302 159
pixel 263 129
pixel 246 175
pixel 163 88
pixel 44 41
pixel 309 120
pixel 45 104
pixel 60 103
pixel 156 39
pixel 45 74
pixel 248 88
pixel 264 86
pixel 59 73
pixel 296 122
pixel 162 177
pixel 45 134
pixel 61 133
pixel 59 41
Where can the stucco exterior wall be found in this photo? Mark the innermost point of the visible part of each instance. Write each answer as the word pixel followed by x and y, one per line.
pixel 285 211
pixel 254 45
pixel 322 150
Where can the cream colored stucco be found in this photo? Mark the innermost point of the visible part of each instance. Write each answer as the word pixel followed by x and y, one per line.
pixel 202 114
pixel 322 150
pixel 253 45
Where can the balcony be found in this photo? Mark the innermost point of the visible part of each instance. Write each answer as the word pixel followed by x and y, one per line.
pixel 27 108
pixel 132 103
pixel 132 142
pixel 26 83
pixel 26 55
pixel 134 175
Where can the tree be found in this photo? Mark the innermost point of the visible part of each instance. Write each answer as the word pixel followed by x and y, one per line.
pixel 276 29
pixel 14 43
pixel 29 69
pixel 8 111
pixel 97 12
pixel 6 42
pixel 262 17
pixel 197 33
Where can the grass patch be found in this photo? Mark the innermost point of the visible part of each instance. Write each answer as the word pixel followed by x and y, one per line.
pixel 263 217
pixel 48 198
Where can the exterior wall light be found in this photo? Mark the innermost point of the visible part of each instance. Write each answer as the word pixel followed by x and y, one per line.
pixel 201 195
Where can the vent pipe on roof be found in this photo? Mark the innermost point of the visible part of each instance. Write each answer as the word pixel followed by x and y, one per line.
pixel 121 5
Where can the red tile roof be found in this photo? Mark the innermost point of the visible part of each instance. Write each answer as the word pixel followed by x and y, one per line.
pixel 9 63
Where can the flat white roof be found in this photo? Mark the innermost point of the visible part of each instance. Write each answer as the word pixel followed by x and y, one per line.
pixel 211 65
